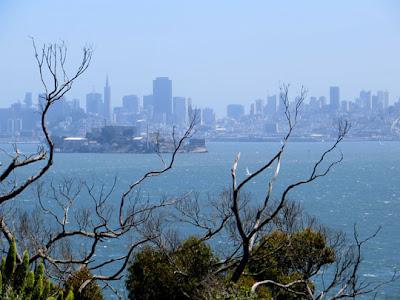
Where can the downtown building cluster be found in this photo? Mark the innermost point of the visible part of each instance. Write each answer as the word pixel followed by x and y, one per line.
pixel 371 114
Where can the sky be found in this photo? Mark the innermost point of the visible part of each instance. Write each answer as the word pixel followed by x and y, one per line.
pixel 215 52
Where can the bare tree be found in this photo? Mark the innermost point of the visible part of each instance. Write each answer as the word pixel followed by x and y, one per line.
pixel 67 236
pixel 53 232
pixel 237 216
pixel 56 82
pixel 62 235
pixel 247 227
pixel 51 62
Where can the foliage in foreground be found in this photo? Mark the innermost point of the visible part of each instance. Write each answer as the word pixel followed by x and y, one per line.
pixel 189 271
pixel 174 274
pixel 92 291
pixel 18 281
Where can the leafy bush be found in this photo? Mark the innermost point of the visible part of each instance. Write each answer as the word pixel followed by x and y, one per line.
pixel 17 281
pixel 286 257
pixel 175 274
pixel 91 292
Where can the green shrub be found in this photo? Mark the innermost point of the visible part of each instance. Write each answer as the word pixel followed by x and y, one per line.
pixel 175 274
pixel 91 292
pixel 17 281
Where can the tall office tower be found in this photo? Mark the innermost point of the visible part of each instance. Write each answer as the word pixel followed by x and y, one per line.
pixel 259 109
pixel 179 110
pixel 235 111
pixel 334 98
pixel 76 104
pixel 107 101
pixel 252 109
pixel 28 99
pixel 322 101
pixel 365 100
pixel 94 104
pixel 344 106
pixel 197 115
pixel 162 93
pixel 315 105
pixel 385 99
pixel 208 116
pixel 190 109
pixel 376 103
pixel 130 103
pixel 270 108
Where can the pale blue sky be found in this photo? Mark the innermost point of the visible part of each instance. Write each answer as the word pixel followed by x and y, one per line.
pixel 216 52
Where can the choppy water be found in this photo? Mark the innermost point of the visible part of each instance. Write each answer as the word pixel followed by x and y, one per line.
pixel 363 189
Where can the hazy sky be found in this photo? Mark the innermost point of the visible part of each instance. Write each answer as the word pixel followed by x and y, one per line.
pixel 216 52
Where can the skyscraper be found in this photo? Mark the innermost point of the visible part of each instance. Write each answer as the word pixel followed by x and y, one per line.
pixel 180 111
pixel 208 116
pixel 94 104
pixel 130 103
pixel 259 108
pixel 270 108
pixel 107 101
pixel 334 98
pixel 383 97
pixel 162 96
pixel 365 100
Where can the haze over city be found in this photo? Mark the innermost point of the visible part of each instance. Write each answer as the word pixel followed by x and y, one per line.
pixel 215 52
pixel 199 149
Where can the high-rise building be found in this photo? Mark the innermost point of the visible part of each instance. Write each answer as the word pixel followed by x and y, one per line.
pixel 190 109
pixel 365 100
pixel 376 103
pixel 197 116
pixel 75 103
pixel 179 110
pixel 208 116
pixel 107 101
pixel 235 111
pixel 314 104
pixel 259 108
pixel 322 101
pixel 94 104
pixel 252 109
pixel 344 106
pixel 385 99
pixel 334 98
pixel 270 108
pixel 162 95
pixel 130 103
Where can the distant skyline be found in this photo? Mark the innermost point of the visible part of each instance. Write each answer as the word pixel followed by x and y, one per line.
pixel 215 52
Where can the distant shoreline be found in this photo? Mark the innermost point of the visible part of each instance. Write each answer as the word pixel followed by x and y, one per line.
pixel 243 140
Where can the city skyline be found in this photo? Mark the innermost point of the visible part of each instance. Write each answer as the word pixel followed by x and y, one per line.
pixel 104 104
pixel 240 54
